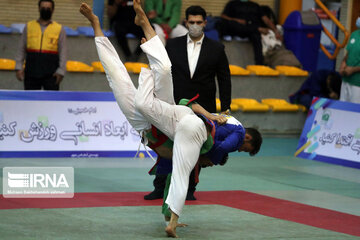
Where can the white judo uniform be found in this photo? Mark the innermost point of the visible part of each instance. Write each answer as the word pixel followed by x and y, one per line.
pixel 153 104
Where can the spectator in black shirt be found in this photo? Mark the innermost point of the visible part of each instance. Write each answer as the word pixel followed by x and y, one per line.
pixel 121 15
pixel 246 19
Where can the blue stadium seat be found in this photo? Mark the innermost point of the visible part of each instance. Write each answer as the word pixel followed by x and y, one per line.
pixel 212 34
pixel 211 23
pixel 17 27
pixel 229 38
pixel 71 32
pixel 130 35
pixel 240 39
pixel 109 33
pixel 87 31
pixel 4 29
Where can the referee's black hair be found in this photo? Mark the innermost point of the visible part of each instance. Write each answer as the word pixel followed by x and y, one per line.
pixel 195 10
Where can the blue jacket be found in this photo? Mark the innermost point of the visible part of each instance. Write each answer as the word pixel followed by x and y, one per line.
pixel 228 138
pixel 314 86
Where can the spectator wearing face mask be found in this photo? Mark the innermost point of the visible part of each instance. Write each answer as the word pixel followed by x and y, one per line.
pixel 196 61
pixel 43 46
pixel 350 68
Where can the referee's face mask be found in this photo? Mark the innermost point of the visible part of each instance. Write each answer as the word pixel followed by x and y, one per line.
pixel 196 25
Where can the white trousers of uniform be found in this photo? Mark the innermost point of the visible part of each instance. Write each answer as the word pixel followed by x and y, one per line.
pixel 178 31
pixel 153 103
pixel 349 93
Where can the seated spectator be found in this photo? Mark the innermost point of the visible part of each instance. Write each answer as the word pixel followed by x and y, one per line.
pixel 323 83
pixel 273 49
pixel 164 15
pixel 245 19
pixel 121 15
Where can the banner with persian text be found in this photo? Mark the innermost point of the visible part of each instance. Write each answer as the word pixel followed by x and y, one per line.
pixel 64 124
pixel 331 133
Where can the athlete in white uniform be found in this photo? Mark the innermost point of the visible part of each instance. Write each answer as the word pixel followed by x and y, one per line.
pixel 152 104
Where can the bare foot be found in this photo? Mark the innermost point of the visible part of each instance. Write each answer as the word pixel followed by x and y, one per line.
pixel 182 225
pixel 178 225
pixel 171 232
pixel 88 13
pixel 140 18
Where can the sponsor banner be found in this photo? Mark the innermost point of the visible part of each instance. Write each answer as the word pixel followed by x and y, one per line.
pixel 64 124
pixel 331 133
pixel 38 182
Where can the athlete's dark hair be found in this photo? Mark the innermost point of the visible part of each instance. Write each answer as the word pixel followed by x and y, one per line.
pixel 256 140
pixel 195 10
pixel 52 2
pixel 335 82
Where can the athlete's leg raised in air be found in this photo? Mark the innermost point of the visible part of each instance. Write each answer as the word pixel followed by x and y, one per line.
pixel 116 73
pixel 158 58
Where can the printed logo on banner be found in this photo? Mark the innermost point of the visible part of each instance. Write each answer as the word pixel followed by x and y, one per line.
pixel 38 182
pixel 357 133
pixel 328 136
pixel 326 119
pixel 331 131
pixel 44 120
